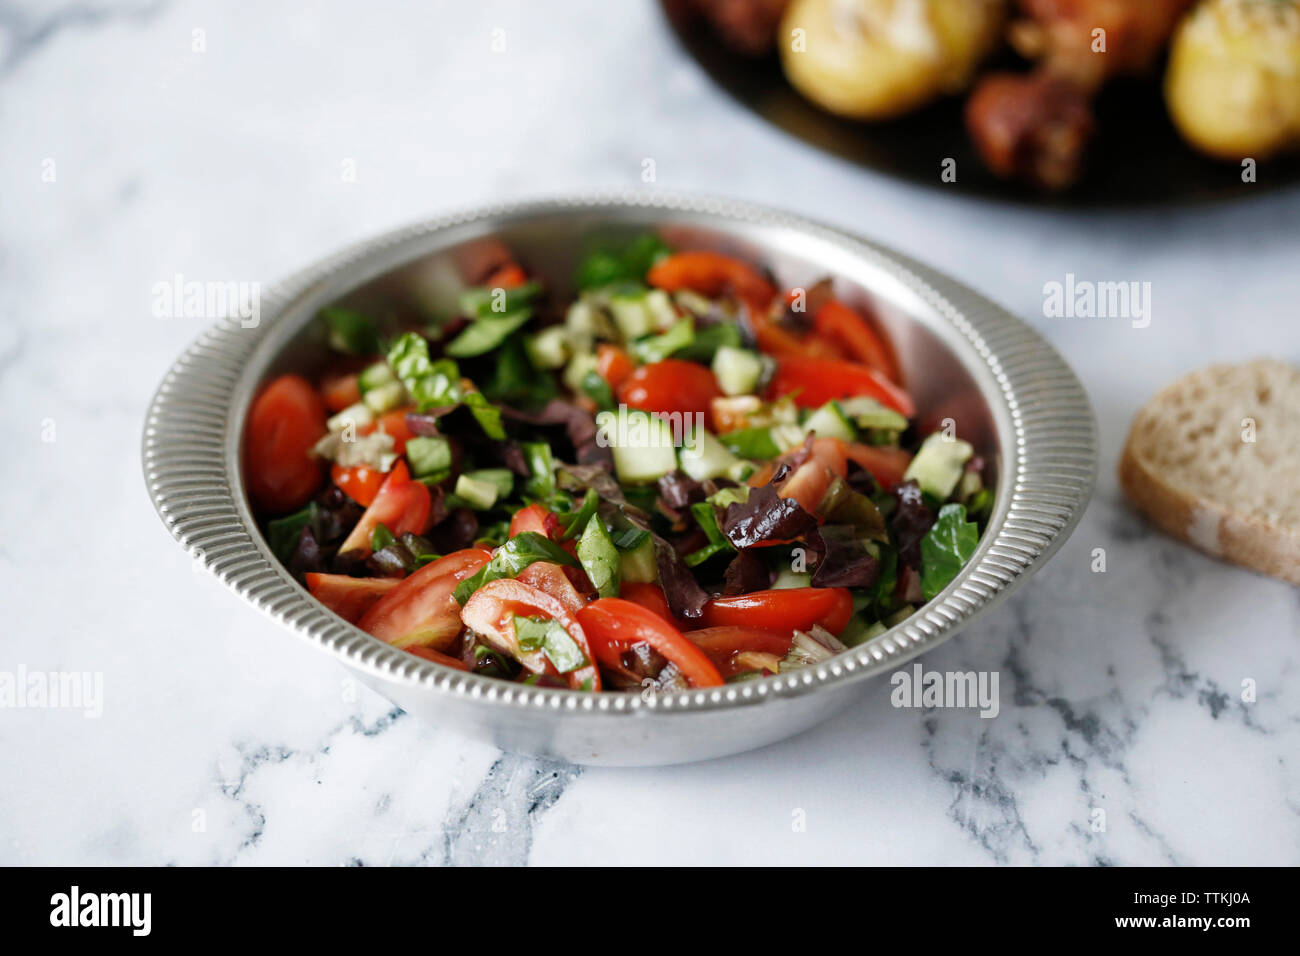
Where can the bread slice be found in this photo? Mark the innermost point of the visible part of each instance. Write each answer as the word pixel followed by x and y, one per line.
pixel 1190 466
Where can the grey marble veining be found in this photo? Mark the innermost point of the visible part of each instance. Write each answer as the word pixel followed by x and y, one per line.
pixel 1125 735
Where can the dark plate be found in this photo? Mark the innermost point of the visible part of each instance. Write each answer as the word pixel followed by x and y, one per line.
pixel 1136 158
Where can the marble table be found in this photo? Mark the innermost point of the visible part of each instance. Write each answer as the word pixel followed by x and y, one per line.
pixel 148 139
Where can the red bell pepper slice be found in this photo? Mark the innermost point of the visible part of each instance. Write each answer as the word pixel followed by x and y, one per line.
pixel 713 274
pixel 813 382
pixel 842 325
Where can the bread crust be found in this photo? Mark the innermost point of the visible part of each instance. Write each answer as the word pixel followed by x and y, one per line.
pixel 1194 517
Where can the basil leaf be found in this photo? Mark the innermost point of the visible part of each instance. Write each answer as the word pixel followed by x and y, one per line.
pixel 574 522
pixel 551 639
pixel 282 534
pixel 511 558
pixel 707 518
pixel 946 547
pixel 516 381
pixel 604 267
pixel 752 443
pixel 351 332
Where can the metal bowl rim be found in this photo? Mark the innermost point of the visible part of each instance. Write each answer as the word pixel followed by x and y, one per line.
pixel 198 493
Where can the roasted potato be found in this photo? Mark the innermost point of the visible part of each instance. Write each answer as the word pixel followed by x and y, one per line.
pixel 877 59
pixel 1233 82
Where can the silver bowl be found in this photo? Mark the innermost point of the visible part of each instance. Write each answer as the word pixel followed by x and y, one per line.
pixel 963 358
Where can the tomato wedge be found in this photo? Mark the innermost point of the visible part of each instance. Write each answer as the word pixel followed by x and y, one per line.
pixel 786 610
pixel 810 481
pixel 670 386
pixel 722 644
pixel 286 420
pixel 421 610
pixel 886 463
pixel 347 597
pixel 490 613
pixel 614 625
pixel 534 518
pixel 813 382
pixel 551 578
pixel 613 364
pixel 842 325
pixel 429 654
pixel 649 596
pixel 340 391
pixel 712 274
pixel 401 505
pixel 361 483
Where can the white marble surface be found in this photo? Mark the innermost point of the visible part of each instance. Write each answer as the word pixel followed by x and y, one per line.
pixel 1120 691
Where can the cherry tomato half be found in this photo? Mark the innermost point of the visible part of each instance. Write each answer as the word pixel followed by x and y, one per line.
pixel 671 386
pixel 286 420
pixel 613 364
pixel 712 274
pixel 785 610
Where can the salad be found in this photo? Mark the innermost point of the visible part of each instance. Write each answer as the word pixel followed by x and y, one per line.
pixel 682 477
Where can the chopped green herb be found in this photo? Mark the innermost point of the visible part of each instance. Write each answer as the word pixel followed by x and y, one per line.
pixel 541 467
pixel 511 558
pixel 381 538
pixel 551 639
